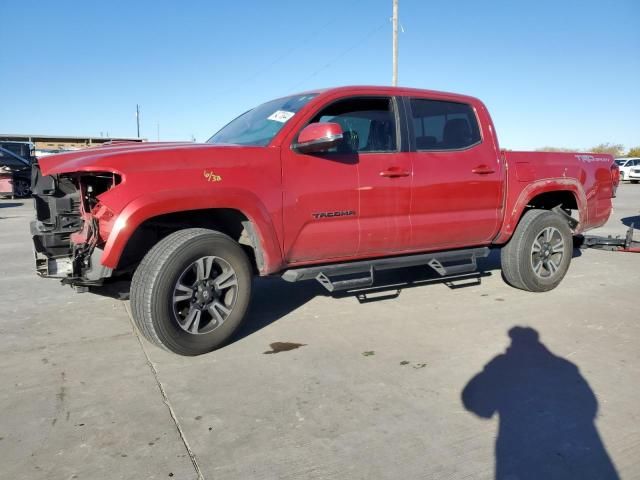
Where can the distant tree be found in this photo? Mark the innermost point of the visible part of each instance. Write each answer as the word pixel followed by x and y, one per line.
pixel 554 149
pixel 634 152
pixel 615 149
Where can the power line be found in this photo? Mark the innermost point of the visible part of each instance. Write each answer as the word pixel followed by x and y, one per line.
pixel 288 52
pixel 343 54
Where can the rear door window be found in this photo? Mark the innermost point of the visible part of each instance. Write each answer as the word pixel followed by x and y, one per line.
pixel 441 125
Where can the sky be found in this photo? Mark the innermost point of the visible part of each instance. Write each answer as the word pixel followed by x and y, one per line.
pixel 552 73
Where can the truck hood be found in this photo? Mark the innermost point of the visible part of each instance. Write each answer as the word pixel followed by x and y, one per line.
pixel 119 157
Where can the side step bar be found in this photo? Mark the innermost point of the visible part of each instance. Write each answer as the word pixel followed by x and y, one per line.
pixel 453 262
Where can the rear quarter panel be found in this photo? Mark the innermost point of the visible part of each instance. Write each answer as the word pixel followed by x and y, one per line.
pixel 586 175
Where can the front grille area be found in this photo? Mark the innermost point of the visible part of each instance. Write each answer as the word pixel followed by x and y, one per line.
pixel 57 205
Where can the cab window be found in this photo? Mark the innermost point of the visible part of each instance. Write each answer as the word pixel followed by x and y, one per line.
pixel 368 124
pixel 440 125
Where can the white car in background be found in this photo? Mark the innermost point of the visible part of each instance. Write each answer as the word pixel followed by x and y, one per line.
pixel 634 173
pixel 629 167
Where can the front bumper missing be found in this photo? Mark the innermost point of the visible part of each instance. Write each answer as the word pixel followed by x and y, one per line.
pixel 53 267
pixel 57 202
pixel 82 270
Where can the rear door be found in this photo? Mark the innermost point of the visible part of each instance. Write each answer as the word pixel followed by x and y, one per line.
pixel 458 179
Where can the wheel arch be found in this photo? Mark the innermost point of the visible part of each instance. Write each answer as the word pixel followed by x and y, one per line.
pixel 239 214
pixel 545 195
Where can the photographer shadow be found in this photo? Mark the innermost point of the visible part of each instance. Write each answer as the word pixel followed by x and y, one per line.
pixel 631 221
pixel 546 412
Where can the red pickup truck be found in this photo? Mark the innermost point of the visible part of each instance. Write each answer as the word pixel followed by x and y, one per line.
pixel 331 185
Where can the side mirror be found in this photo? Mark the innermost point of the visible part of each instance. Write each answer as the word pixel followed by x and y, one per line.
pixel 318 137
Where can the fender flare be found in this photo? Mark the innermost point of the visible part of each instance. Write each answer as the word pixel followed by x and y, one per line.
pixel 159 203
pixel 513 214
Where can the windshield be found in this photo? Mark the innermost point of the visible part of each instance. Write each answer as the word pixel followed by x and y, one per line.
pixel 259 125
pixel 621 162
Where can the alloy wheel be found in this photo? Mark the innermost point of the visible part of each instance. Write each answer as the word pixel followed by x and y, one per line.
pixel 547 252
pixel 204 295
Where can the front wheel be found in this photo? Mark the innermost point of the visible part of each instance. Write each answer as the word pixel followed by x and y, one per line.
pixel 191 291
pixel 539 253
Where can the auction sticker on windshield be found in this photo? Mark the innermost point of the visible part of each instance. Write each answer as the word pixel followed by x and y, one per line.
pixel 281 116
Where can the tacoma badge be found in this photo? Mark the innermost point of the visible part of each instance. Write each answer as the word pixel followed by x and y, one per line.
pixel 343 213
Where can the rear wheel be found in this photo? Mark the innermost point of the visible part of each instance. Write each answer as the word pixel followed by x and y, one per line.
pixel 191 291
pixel 634 181
pixel 539 253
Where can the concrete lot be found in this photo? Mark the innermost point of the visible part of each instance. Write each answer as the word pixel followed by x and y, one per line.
pixel 376 391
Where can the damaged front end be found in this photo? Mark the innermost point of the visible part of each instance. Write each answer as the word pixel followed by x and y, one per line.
pixel 67 237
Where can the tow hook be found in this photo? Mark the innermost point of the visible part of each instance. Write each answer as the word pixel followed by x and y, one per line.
pixel 612 244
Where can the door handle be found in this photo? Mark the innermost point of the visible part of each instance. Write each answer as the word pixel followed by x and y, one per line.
pixel 393 172
pixel 483 170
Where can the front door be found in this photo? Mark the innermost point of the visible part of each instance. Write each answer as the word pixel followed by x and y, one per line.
pixel 353 200
pixel 320 206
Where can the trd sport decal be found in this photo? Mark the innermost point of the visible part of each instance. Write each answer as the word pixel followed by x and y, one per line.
pixel 343 213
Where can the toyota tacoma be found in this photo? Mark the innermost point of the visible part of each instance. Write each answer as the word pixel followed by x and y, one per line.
pixel 331 185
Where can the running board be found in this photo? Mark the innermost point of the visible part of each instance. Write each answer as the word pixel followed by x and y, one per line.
pixel 453 262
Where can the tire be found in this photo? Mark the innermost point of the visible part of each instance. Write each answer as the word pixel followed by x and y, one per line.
pixel 622 179
pixel 164 310
pixel 21 189
pixel 538 255
pixel 634 181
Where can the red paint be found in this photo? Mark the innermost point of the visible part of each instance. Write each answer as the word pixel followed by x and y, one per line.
pixel 317 132
pixel 402 202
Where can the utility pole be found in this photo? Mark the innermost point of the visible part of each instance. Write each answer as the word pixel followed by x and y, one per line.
pixel 394 80
pixel 138 118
